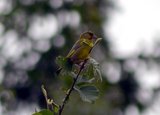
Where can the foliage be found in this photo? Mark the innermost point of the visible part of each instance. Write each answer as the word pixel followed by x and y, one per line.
pixel 82 83
pixel 44 112
pixel 93 69
pixel 88 93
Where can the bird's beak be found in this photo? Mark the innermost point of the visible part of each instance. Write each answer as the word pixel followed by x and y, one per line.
pixel 97 40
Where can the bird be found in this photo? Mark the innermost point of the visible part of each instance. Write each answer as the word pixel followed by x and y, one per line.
pixel 82 48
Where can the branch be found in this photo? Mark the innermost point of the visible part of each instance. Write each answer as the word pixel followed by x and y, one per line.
pixel 71 89
pixel 49 102
pixel 45 95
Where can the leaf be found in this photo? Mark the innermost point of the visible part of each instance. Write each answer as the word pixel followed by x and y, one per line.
pixel 96 68
pixel 92 70
pixel 64 63
pixel 67 81
pixel 44 112
pixel 84 81
pixel 88 93
pixel 56 109
pixel 67 73
pixel 60 61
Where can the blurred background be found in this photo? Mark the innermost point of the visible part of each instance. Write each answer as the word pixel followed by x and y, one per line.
pixel 34 32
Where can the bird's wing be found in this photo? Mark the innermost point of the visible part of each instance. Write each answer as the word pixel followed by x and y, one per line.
pixel 76 46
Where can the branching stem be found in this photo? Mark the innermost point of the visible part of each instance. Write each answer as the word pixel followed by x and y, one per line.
pixel 71 89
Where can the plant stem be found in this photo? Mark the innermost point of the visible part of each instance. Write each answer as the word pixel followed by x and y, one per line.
pixel 45 95
pixel 71 89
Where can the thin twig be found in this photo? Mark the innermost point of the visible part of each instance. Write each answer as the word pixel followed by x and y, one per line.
pixel 45 95
pixel 49 102
pixel 71 89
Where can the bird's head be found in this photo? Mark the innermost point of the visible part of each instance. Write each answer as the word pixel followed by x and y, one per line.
pixel 90 36
pixel 87 35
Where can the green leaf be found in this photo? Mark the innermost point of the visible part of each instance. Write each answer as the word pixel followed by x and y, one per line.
pixel 44 112
pixel 64 63
pixel 60 61
pixel 96 68
pixel 88 93
pixel 67 81
pixel 92 70
pixel 56 109
pixel 84 81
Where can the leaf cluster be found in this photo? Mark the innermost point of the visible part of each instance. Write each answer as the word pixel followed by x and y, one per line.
pixel 84 82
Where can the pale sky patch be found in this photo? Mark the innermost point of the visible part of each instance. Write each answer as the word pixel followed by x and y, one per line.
pixel 43 27
pixel 135 26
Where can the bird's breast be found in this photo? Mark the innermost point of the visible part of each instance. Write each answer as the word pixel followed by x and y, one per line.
pixel 83 52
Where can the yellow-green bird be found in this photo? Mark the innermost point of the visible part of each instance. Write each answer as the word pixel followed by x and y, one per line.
pixel 82 48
